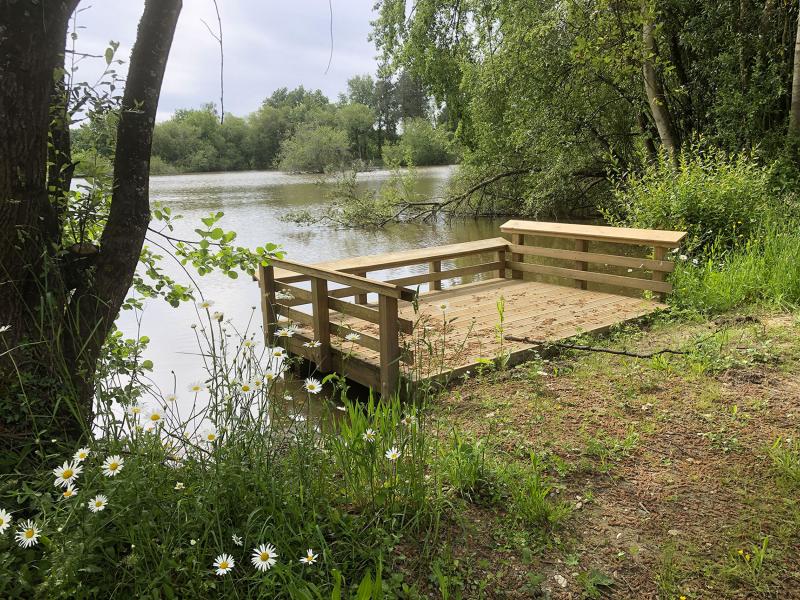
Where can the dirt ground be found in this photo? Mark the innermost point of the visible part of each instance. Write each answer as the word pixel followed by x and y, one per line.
pixel 666 463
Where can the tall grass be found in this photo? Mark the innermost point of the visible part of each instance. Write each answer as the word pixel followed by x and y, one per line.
pixel 764 270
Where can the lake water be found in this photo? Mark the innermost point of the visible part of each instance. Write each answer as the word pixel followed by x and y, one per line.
pixel 254 204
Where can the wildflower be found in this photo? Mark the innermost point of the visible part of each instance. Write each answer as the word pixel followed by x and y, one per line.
pixel 248 344
pixel 683 257
pixel 155 416
pixel 179 485
pixel 341 408
pixel 258 381
pixel 392 453
pixel 197 387
pixel 205 304
pixel 112 465
pixel 270 375
pixel 28 534
pixel 70 491
pixel 278 352
pixel 283 295
pixel 310 558
pixel 134 410
pixel 284 332
pixel 313 385
pixel 5 520
pixel 217 316
pixel 171 398
pixel 192 542
pixel 81 454
pixel 247 386
pixel 741 552
pixel 98 503
pixel 224 564
pixel 369 435
pixel 4 328
pixel 352 337
pixel 67 473
pixel 443 306
pixel 695 262
pixel 747 557
pixel 408 420
pixel 287 397
pixel 236 539
pixel 312 344
pixel 264 557
pixel 210 436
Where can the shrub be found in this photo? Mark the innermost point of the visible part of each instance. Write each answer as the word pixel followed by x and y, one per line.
pixel 719 199
pixel 421 144
pixel 314 150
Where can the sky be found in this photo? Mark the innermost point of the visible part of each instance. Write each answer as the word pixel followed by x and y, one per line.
pixel 268 44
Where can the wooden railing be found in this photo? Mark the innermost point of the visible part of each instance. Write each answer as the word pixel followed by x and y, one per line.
pixel 323 301
pixel 581 258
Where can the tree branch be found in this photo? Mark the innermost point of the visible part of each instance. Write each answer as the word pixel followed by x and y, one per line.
pixel 567 346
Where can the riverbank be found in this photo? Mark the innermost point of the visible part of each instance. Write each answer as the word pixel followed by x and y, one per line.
pixel 680 473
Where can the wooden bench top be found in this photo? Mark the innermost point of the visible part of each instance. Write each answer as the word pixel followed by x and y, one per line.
pixel 622 235
pixel 376 262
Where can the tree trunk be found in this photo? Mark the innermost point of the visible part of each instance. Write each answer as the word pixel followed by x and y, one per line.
pixel 794 110
pixel 653 87
pixel 58 323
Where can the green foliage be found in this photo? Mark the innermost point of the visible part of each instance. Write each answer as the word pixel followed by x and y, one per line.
pixel 421 144
pixel 314 150
pixel 785 455
pixel 531 499
pixel 720 200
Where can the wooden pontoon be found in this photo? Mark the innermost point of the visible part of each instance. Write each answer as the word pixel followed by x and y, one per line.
pixel 402 332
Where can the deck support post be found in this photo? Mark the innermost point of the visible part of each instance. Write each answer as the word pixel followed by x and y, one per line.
pixel 658 254
pixel 389 346
pixel 501 258
pixel 517 239
pixel 581 246
pixel 321 320
pixel 361 298
pixel 435 267
pixel 266 281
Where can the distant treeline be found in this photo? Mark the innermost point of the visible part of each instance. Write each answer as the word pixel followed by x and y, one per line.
pixel 298 130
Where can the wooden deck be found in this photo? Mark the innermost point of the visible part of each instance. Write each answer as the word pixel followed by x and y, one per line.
pixel 441 333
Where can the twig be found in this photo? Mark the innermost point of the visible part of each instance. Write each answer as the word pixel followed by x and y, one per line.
pixel 533 342
pixel 218 37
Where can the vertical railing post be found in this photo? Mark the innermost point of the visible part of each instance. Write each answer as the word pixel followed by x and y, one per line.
pixel 266 281
pixel 658 254
pixel 581 265
pixel 501 258
pixel 435 267
pixel 389 345
pixel 321 321
pixel 361 298
pixel 517 239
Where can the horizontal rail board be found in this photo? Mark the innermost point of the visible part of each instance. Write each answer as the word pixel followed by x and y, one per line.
pixel 620 235
pixel 620 280
pixel 360 283
pixel 605 259
pixel 450 274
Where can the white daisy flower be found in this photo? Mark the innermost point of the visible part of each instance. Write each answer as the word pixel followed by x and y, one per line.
pixel 443 306
pixel 236 539
pixel 69 492
pixel 112 465
pixel 179 485
pixel 247 386
pixel 313 385
pixel 170 398
pixel 264 557
pixel 278 352
pixel 217 316
pixel 392 453
pixel 197 387
pixel 81 454
pixel 249 344
pixel 155 416
pixel 369 435
pixel 27 534
pixel 98 503
pixel 270 375
pixel 210 436
pixel 683 257
pixel 258 381
pixel 67 473
pixel 224 564
pixel 312 344
pixel 288 397
pixel 310 558
pixel 5 520
pixel 205 304
pixel 352 337
pixel 408 421
pixel 285 332
pixel 135 410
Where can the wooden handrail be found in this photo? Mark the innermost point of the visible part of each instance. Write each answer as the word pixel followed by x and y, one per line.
pixel 620 235
pixel 360 283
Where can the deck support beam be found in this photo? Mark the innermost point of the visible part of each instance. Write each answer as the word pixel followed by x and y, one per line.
pixel 266 281
pixel 321 320
pixel 658 254
pixel 580 265
pixel 361 298
pixel 519 240
pixel 389 346
pixel 435 267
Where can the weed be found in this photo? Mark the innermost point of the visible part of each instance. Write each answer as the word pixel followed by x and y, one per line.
pixel 531 501
pixel 785 455
pixel 594 583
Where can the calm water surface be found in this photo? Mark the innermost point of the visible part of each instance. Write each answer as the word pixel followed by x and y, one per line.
pixel 253 203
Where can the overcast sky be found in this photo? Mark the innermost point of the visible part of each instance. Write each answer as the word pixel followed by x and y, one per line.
pixel 268 44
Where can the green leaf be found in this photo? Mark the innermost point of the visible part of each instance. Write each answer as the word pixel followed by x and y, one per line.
pixel 109 55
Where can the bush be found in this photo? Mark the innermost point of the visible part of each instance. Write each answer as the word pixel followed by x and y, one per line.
pixel 719 199
pixel 314 150
pixel 421 144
